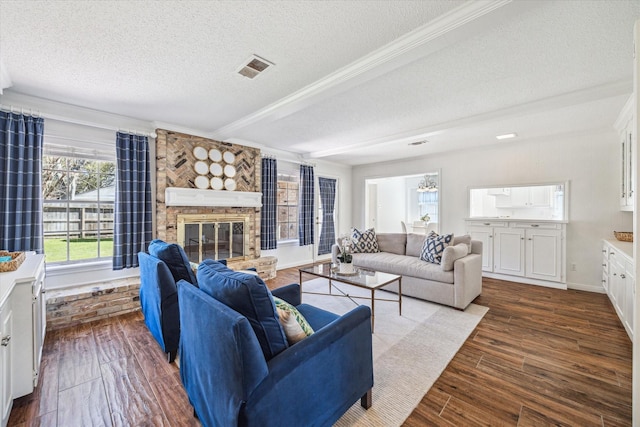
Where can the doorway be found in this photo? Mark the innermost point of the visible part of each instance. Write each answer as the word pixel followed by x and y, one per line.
pixel 390 201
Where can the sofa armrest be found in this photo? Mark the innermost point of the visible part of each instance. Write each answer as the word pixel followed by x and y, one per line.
pixel 467 280
pixel 289 293
pixel 318 378
pixel 335 251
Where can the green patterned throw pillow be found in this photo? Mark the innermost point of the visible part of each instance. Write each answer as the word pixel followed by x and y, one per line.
pixel 296 327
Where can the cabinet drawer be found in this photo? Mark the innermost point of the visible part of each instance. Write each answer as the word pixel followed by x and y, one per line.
pixel 487 223
pixel 605 265
pixel 605 281
pixel 539 225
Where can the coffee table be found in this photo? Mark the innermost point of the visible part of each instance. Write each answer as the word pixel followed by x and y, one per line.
pixel 363 278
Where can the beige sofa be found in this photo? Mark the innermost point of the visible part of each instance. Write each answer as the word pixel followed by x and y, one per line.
pixel 400 254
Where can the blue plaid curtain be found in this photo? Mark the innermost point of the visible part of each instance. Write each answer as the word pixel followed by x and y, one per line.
pixel 305 215
pixel 21 182
pixel 268 226
pixel 132 215
pixel 328 199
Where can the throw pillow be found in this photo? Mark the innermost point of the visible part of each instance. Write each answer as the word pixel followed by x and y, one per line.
pixel 295 326
pixel 364 241
pixel 173 255
pixel 466 239
pixel 451 254
pixel 433 248
pixel 248 295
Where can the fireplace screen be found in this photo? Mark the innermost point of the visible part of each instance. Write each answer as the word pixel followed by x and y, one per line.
pixel 213 238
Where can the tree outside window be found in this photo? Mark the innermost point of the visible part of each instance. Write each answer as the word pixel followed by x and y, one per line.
pixel 78 199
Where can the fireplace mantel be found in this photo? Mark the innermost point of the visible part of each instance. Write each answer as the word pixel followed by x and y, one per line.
pixel 175 196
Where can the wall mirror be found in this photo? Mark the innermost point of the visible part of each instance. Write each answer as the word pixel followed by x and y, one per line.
pixel 409 203
pixel 535 202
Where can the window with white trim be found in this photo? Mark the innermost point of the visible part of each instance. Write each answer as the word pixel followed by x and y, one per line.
pixel 287 205
pixel 78 185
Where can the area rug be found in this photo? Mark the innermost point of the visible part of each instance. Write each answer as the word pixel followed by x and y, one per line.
pixel 409 351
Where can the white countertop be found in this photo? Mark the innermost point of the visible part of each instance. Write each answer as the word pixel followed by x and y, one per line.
pixel 625 247
pixel 27 272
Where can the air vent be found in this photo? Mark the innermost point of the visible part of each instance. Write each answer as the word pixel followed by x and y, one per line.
pixel 254 66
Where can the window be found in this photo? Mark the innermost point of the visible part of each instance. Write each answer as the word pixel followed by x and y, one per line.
pixel 78 201
pixel 287 201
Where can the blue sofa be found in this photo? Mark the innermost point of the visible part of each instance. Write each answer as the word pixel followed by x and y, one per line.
pixel 160 270
pixel 238 369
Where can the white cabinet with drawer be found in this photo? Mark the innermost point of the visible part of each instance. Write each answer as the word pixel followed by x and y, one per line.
pixel 22 330
pixel 6 351
pixel 522 251
pixel 618 280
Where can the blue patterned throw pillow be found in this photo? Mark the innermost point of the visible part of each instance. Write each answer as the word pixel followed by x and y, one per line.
pixel 364 242
pixel 433 247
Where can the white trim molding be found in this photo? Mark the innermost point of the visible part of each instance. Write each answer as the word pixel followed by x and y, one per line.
pixel 175 196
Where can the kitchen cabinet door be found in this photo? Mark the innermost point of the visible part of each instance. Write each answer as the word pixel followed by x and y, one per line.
pixel 508 254
pixel 6 350
pixel 544 254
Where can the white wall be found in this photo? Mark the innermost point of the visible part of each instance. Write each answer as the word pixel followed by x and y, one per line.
pixel 589 162
pixel 391 205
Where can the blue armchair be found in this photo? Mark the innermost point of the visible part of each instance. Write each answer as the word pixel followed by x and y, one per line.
pixel 233 378
pixel 160 269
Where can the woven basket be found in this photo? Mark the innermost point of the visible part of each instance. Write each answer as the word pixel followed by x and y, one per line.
pixel 18 258
pixel 624 236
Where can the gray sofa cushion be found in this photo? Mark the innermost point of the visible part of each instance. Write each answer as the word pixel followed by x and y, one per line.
pixel 393 243
pixel 414 244
pixel 403 265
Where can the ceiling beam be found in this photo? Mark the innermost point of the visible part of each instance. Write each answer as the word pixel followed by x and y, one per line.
pixel 422 41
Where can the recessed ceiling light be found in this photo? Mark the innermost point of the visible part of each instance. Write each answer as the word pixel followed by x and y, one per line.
pixel 507 136
pixel 418 142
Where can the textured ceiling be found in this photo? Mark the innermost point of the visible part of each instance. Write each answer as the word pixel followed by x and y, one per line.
pixel 349 75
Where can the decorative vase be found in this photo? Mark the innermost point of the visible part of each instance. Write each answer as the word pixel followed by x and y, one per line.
pixel 346 268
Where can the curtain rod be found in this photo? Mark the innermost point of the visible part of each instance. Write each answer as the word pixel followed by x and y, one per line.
pixel 297 162
pixel 21 110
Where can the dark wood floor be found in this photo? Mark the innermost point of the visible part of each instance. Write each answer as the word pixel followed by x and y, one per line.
pixel 539 357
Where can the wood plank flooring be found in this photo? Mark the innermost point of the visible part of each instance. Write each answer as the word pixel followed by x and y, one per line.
pixel 539 357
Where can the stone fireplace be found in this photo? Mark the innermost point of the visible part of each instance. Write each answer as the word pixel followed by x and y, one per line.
pixel 177 199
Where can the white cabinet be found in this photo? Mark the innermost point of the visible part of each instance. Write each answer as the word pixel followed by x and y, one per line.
pixel 6 351
pixel 543 248
pixel 22 317
pixel 526 197
pixel 522 251
pixel 624 127
pixel 619 280
pixel 508 251
pixel 484 231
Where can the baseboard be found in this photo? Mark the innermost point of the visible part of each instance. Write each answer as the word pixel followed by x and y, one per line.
pixel 588 288
pixel 525 280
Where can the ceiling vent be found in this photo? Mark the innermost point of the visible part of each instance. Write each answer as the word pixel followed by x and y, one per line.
pixel 254 66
